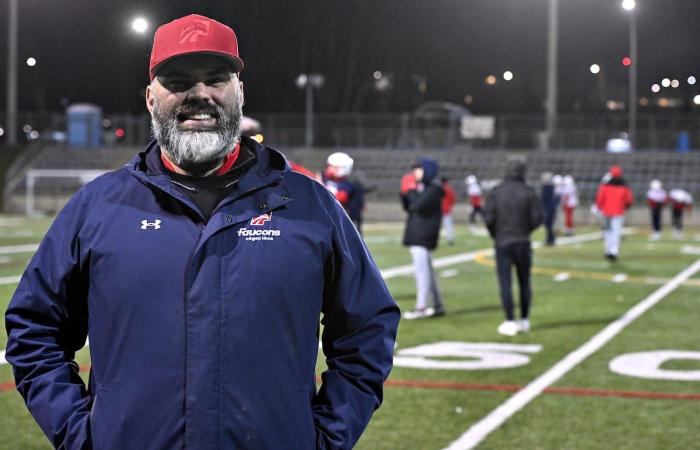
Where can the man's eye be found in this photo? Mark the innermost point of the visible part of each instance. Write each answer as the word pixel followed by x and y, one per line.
pixel 216 81
pixel 176 84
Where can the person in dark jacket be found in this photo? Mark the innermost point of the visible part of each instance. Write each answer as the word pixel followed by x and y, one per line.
pixel 512 213
pixel 550 202
pixel 423 202
pixel 199 270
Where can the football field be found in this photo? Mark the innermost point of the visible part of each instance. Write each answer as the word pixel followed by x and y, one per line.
pixel 612 360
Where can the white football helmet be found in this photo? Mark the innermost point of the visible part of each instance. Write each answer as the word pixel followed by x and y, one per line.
pixel 471 179
pixel 342 162
pixel 655 184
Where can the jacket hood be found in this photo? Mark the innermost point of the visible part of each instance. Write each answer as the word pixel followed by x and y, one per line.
pixel 515 169
pixel 430 169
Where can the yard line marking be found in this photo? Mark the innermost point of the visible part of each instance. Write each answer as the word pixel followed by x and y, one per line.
pixel 449 273
pixel 471 256
pixel 478 432
pixel 2 357
pixel 11 249
pixel 10 280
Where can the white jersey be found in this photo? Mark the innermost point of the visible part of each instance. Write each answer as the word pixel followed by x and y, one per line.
pixel 681 196
pixel 657 195
pixel 569 195
pixel 474 190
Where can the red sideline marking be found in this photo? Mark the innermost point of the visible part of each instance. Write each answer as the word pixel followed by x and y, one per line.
pixel 579 392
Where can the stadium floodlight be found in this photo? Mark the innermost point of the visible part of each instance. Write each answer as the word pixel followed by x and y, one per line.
pixel 696 99
pixel 655 88
pixel 31 62
pixel 675 84
pixel 666 82
pixel 691 80
pixel 628 5
pixel 139 25
pixel 595 68
pixel 491 80
pixel 507 75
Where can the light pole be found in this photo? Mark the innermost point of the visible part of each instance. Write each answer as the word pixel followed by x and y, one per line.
pixel 309 82
pixel 629 5
pixel 551 100
pixel 11 111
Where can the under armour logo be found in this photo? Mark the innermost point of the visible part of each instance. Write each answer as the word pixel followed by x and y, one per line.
pixel 261 219
pixel 145 224
pixel 192 32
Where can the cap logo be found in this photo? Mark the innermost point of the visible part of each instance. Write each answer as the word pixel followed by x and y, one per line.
pixel 192 33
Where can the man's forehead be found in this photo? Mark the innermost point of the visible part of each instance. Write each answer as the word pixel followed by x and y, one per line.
pixel 195 64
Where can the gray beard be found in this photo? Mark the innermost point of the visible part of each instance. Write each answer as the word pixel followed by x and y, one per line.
pixel 197 151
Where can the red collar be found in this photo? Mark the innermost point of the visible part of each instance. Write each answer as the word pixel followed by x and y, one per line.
pixel 229 160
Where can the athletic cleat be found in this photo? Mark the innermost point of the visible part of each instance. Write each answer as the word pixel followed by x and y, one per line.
pixel 419 314
pixel 523 326
pixel 508 328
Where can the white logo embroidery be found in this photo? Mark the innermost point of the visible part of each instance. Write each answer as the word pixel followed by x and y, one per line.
pixel 259 235
pixel 145 224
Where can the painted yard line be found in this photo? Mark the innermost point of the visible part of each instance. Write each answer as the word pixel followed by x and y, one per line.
pixel 10 280
pixel 471 256
pixel 2 357
pixel 11 249
pixel 480 430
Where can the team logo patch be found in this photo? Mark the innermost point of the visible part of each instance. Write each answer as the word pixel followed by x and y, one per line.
pixel 145 224
pixel 192 32
pixel 261 219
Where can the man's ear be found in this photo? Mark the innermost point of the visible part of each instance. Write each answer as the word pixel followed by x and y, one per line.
pixel 150 98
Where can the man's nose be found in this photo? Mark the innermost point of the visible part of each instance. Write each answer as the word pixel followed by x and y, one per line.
pixel 199 91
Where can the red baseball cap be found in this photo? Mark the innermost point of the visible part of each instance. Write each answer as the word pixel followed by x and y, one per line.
pixel 616 171
pixel 194 34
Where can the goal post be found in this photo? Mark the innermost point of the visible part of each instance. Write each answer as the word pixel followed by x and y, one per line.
pixel 33 175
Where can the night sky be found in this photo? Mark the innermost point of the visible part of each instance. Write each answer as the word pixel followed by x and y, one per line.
pixel 87 52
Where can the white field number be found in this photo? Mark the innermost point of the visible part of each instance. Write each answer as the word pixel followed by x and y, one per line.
pixel 465 356
pixel 648 365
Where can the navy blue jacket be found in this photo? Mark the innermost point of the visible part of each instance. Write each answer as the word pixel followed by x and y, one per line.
pixel 202 336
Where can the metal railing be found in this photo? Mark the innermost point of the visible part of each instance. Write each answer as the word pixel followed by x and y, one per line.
pixel 656 131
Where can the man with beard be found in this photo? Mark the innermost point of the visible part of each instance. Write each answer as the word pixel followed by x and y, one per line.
pixel 199 271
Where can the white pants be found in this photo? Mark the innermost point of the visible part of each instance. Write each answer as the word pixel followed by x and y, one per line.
pixel 448 227
pixel 426 283
pixel 612 232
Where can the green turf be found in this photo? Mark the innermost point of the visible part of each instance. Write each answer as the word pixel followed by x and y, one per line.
pixel 564 316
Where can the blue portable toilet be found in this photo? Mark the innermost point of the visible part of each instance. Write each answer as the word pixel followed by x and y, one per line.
pixel 84 125
pixel 683 142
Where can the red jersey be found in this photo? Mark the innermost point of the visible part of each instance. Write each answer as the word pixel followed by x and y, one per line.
pixel 613 199
pixel 448 200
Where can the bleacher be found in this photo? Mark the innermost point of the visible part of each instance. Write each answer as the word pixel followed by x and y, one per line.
pixel 381 169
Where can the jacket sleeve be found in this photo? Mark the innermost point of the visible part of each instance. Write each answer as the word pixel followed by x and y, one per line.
pixel 46 324
pixel 360 320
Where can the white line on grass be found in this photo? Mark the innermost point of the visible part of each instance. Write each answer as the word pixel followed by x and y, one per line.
pixel 470 256
pixel 478 432
pixel 11 249
pixel 14 279
pixel 2 357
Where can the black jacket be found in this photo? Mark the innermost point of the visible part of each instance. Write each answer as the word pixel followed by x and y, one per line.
pixel 512 210
pixel 424 216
